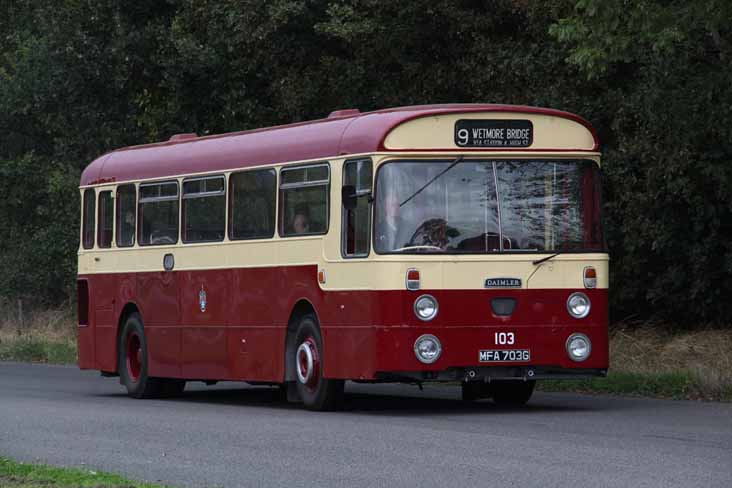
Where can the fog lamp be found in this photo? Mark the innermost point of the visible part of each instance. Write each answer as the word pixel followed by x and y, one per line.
pixel 427 348
pixel 578 347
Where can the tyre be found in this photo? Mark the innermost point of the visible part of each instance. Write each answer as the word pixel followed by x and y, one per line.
pixel 475 390
pixel 315 391
pixel 133 360
pixel 512 392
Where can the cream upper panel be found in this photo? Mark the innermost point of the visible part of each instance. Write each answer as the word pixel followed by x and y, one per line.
pixel 464 272
pixel 438 132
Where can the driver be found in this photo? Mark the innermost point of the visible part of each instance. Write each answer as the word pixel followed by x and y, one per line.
pixel 388 226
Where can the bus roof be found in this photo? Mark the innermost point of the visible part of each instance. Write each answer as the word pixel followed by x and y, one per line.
pixel 344 132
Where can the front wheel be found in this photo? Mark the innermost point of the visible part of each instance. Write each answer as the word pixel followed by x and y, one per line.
pixel 315 391
pixel 512 392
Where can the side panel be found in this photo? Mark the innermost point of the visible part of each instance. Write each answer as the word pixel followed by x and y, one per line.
pixel 85 329
pixel 257 333
pixel 104 288
pixel 158 300
pixel 205 305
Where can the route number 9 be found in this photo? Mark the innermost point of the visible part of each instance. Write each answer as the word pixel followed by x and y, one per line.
pixel 503 338
pixel 463 137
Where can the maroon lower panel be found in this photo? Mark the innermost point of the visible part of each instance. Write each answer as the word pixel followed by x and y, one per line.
pixel 232 324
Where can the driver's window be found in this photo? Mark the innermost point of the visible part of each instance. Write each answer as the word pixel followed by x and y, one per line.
pixel 158 214
pixel 357 221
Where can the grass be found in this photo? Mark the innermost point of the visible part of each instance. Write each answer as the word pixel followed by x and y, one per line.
pixel 645 360
pixel 47 336
pixel 21 475
pixel 648 361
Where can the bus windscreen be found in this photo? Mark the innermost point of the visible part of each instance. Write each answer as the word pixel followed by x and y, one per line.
pixel 487 207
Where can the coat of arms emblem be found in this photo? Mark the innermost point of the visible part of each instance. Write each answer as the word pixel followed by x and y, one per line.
pixel 202 299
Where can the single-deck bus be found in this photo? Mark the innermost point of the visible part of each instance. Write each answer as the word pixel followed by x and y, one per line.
pixel 456 243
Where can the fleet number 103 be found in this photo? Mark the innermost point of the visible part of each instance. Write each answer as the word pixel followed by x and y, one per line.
pixel 503 338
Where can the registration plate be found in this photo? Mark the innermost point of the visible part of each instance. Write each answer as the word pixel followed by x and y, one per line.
pixel 504 355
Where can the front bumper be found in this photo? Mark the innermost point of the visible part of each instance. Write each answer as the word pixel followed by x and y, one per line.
pixel 492 373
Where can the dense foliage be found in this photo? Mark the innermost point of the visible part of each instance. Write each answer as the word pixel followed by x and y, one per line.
pixel 78 78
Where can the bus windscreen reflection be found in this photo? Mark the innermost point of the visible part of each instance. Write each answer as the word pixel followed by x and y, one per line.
pixel 487 207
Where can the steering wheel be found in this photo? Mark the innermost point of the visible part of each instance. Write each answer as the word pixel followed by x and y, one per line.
pixel 431 233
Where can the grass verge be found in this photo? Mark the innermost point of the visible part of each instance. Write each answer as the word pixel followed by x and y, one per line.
pixel 21 475
pixel 645 360
pixel 47 336
pixel 677 385
pixel 648 361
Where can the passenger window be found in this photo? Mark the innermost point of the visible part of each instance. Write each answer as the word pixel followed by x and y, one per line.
pixel 158 214
pixel 252 197
pixel 126 206
pixel 204 209
pixel 357 221
pixel 88 232
pixel 106 219
pixel 304 200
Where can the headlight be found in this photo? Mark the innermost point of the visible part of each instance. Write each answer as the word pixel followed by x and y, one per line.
pixel 578 305
pixel 427 348
pixel 425 307
pixel 579 347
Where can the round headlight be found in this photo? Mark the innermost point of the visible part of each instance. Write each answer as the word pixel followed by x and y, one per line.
pixel 578 347
pixel 425 307
pixel 578 305
pixel 427 348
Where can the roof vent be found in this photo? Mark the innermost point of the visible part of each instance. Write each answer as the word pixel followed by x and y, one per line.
pixel 344 112
pixel 183 137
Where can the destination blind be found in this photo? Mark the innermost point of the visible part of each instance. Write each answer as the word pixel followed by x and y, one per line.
pixel 494 133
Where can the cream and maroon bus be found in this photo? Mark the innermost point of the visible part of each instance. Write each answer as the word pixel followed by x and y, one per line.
pixel 458 243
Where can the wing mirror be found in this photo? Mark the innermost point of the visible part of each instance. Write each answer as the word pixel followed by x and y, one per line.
pixel 348 196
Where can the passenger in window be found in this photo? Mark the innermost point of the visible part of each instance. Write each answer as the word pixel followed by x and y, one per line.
pixel 127 233
pixel 301 220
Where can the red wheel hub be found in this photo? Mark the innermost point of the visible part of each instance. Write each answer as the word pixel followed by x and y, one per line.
pixel 133 348
pixel 308 364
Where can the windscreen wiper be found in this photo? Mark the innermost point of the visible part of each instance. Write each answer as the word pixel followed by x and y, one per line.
pixel 452 165
pixel 544 259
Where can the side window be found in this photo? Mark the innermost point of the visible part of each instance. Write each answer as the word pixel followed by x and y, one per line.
pixel 357 221
pixel 126 209
pixel 106 219
pixel 252 197
pixel 88 232
pixel 204 209
pixel 304 200
pixel 158 214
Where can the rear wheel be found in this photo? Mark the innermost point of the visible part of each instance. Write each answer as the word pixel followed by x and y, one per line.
pixel 133 364
pixel 512 392
pixel 315 391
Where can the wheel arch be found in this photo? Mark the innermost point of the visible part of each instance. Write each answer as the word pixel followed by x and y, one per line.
pixel 127 310
pixel 302 307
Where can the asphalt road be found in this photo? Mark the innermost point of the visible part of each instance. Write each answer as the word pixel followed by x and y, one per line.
pixel 389 435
